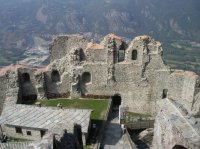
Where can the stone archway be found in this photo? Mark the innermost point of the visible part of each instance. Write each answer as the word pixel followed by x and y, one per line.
pixel 26 78
pixel 86 77
pixel 55 76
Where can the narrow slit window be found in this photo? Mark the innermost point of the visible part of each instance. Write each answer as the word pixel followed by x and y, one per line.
pixel 134 55
pixel 164 95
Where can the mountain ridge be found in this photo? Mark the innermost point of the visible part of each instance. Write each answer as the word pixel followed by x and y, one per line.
pixel 21 22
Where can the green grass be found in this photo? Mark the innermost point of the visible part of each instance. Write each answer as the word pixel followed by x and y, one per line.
pixel 99 106
pixel 12 139
pixel 87 147
pixel 182 54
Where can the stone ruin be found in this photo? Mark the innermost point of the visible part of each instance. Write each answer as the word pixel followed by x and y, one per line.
pixel 133 74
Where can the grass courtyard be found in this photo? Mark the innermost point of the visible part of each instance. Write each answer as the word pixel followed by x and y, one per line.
pixel 99 107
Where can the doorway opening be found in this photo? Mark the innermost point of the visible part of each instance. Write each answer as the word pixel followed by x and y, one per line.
pixel 116 100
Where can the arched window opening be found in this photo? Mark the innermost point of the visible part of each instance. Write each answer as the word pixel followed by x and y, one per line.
pixel 82 55
pixel 178 147
pixel 116 100
pixel 26 77
pixel 86 77
pixel 55 76
pixel 164 95
pixel 121 53
pixel 76 53
pixel 79 54
pixel 134 55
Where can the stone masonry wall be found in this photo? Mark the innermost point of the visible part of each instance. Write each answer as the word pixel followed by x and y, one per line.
pixel 181 87
pixel 64 44
pixel 108 76
pixel 173 127
pixel 140 79
pixel 13 91
pixel 3 88
pixel 57 89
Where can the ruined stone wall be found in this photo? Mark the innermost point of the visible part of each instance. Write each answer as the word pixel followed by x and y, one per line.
pixel 14 87
pixel 165 136
pixel 108 76
pixel 173 127
pixel 175 86
pixel 63 44
pixel 181 87
pixel 140 79
pixel 189 87
pixel 57 89
pixel 196 105
pixel 40 86
pixel 196 100
pixel 12 92
pixel 3 88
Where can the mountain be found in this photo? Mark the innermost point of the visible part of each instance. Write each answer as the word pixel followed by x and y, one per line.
pixel 27 26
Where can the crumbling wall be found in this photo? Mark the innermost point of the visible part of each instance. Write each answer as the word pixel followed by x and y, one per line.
pixel 108 75
pixel 196 100
pixel 173 127
pixel 181 87
pixel 57 89
pixel 140 78
pixel 95 53
pixel 165 135
pixel 196 104
pixel 175 85
pixel 62 45
pixel 3 89
pixel 12 92
pixel 40 86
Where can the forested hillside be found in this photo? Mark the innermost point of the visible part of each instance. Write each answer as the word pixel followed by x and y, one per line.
pixel 27 26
